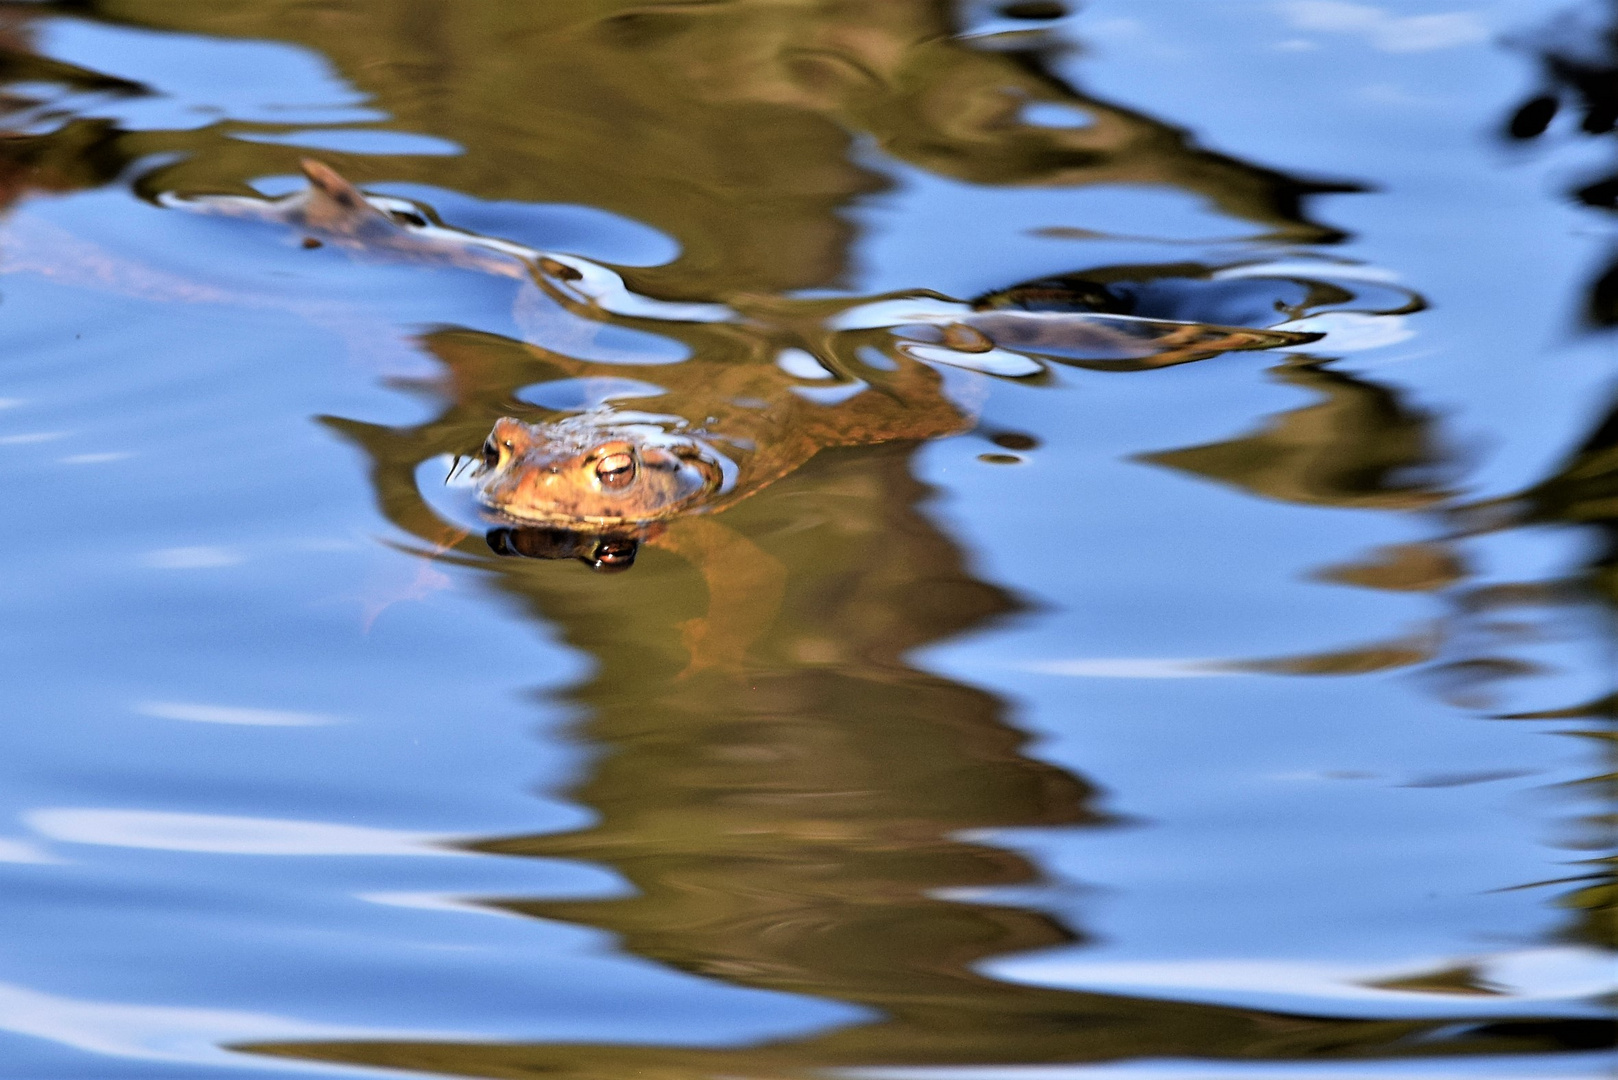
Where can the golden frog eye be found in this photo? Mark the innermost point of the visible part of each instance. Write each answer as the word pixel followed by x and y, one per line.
pixel 616 470
pixel 491 453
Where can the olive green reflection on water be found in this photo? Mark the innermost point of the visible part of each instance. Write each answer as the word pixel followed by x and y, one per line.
pixel 730 126
pixel 1358 446
pixel 1584 492
pixel 790 818
pixel 792 821
pixel 792 812
pixel 1579 76
pixel 72 155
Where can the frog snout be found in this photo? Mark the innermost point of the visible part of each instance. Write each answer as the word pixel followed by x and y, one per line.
pixel 532 479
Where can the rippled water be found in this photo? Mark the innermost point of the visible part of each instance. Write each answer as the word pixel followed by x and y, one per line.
pixel 1242 718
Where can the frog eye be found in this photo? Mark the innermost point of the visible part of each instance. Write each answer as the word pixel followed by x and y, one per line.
pixel 616 469
pixel 491 453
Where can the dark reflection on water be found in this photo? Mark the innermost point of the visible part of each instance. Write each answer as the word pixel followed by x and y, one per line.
pixel 729 126
pixel 1583 492
pixel 1577 50
pixel 792 797
pixel 1578 60
pixel 1362 447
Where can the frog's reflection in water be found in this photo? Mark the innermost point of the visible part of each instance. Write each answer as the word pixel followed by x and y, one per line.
pixel 608 554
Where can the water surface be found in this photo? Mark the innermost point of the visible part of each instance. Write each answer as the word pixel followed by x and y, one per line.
pixel 1243 718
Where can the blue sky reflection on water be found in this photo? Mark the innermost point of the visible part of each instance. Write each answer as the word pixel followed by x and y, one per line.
pixel 244 726
pixel 1361 866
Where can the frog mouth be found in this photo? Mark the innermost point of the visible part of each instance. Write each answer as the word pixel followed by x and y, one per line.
pixel 560 521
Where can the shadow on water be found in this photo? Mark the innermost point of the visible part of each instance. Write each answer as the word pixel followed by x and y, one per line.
pixel 791 798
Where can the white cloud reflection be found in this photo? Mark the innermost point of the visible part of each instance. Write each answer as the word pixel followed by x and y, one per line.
pixel 104 457
pixel 200 557
pixel 232 714
pixel 1127 667
pixel 1384 30
pixel 167 1032
pixel 24 851
pixel 222 835
pixel 1529 980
